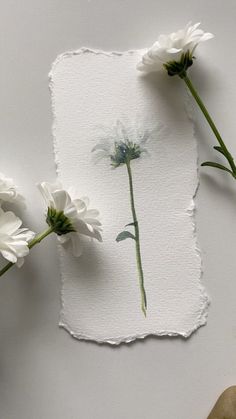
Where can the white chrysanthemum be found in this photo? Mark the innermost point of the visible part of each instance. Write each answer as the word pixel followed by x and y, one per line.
pixel 121 143
pixel 8 190
pixel 169 48
pixel 13 239
pixel 70 216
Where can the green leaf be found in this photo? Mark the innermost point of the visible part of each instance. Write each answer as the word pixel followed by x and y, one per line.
pixel 217 166
pixel 125 235
pixel 131 224
pixel 217 148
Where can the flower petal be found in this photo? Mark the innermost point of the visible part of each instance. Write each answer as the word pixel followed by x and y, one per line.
pixel 9 222
pixel 20 262
pixel 9 255
pixel 13 240
pixel 8 190
pixel 75 244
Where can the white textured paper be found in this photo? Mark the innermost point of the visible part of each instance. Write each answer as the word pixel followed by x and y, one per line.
pixel 100 292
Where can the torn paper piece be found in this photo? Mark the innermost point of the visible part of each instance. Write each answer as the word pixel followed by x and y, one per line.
pixel 91 91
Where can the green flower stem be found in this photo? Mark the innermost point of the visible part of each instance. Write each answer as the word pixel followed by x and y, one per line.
pixel 209 120
pixel 32 243
pixel 137 242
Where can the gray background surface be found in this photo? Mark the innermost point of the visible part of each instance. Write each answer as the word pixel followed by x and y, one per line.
pixel 44 373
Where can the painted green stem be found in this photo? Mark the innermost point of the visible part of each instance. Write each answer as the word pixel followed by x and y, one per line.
pixel 210 121
pixel 137 242
pixel 32 243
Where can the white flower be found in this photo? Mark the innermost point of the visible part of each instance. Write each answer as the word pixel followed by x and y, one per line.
pixel 121 144
pixel 169 48
pixel 8 190
pixel 70 216
pixel 13 239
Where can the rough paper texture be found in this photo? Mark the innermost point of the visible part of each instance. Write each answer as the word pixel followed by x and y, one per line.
pixel 100 293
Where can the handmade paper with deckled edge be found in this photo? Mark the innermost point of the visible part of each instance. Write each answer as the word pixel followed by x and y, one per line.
pixel 100 292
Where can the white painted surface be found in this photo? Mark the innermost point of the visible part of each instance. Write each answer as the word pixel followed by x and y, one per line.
pixel 44 374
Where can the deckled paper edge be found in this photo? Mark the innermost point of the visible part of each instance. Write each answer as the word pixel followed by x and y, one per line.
pixel 190 211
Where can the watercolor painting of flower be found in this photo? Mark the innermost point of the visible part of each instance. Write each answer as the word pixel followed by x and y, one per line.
pixel 120 145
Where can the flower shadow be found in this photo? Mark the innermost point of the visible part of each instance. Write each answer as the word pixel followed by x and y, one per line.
pixel 169 89
pixel 36 291
pixel 218 187
pixel 89 267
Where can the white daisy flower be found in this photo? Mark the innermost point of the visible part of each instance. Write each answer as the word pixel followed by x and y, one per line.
pixel 174 47
pixel 13 239
pixel 70 216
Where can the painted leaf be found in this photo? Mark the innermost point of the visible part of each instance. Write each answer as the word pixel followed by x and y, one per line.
pixel 130 224
pixel 125 235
